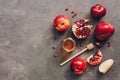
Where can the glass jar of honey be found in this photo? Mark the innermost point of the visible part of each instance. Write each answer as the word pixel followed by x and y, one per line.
pixel 68 45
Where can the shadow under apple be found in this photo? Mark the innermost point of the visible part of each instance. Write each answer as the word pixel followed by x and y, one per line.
pixel 70 75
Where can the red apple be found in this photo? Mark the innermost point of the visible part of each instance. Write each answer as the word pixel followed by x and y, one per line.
pixel 78 65
pixel 61 22
pixel 103 30
pixel 98 11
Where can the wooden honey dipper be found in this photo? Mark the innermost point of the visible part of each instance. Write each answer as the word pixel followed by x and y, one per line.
pixel 88 47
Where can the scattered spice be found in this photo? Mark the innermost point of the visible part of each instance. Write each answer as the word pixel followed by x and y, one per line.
pixel 66 9
pixel 74 15
pixel 108 43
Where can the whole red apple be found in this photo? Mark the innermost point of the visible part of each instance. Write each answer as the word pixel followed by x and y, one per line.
pixel 61 22
pixel 98 11
pixel 78 65
pixel 103 30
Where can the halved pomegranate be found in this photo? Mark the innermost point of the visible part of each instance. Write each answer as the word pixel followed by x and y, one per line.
pixel 95 59
pixel 80 29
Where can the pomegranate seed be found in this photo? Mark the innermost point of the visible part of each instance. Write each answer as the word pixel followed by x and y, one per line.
pixel 82 22
pixel 74 15
pixel 108 43
pixel 83 31
pixel 72 12
pixel 66 9
pixel 98 55
pixel 77 23
pixel 93 59
pixel 99 43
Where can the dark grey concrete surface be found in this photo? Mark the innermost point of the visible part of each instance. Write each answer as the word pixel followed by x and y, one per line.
pixel 26 39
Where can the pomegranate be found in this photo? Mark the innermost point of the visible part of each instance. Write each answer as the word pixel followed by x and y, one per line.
pixel 81 30
pixel 98 11
pixel 95 59
pixel 104 30
pixel 78 65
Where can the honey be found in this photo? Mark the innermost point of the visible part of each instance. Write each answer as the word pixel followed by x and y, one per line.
pixel 68 44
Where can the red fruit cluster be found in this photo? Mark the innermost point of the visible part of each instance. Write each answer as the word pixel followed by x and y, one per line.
pixel 81 30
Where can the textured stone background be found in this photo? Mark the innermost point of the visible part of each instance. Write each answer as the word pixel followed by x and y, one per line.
pixel 26 37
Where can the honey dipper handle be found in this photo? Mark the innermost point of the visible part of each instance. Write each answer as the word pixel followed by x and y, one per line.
pixel 77 54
